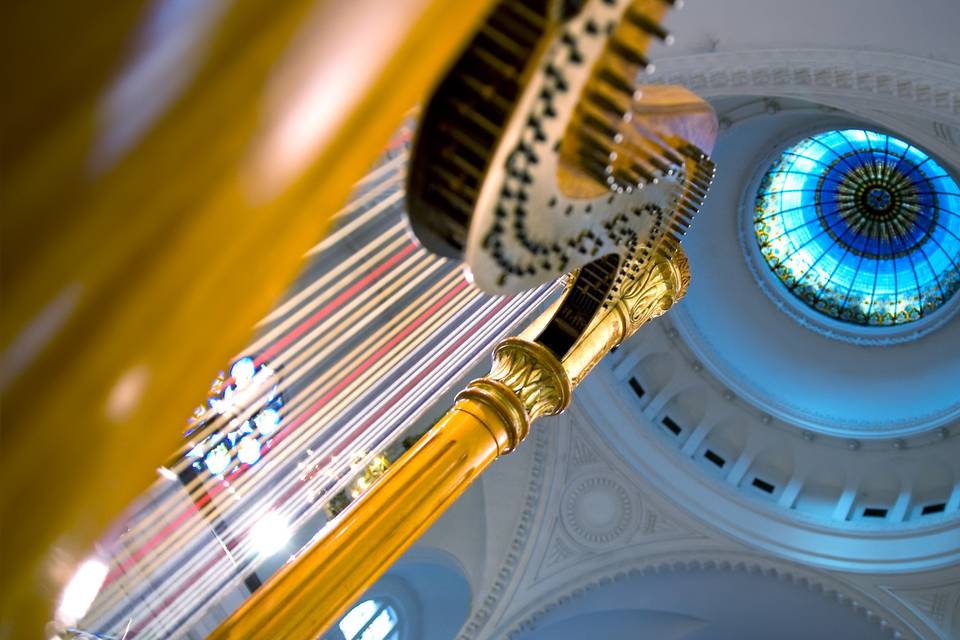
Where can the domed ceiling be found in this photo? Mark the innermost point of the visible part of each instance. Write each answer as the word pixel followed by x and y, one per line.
pixel 825 438
pixel 861 226
pixel 775 314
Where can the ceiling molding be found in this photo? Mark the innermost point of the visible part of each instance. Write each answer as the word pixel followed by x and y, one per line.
pixel 504 575
pixel 891 78
pixel 891 88
pixel 724 499
pixel 689 559
pixel 915 96
pixel 733 325
pixel 936 604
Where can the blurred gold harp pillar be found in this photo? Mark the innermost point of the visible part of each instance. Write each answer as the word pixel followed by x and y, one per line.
pixel 122 271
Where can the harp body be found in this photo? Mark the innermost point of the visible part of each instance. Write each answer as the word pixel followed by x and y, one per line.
pixel 137 262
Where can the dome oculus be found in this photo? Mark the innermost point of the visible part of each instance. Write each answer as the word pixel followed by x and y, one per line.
pixel 861 226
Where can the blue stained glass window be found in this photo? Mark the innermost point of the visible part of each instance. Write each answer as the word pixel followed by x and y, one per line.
pixel 861 226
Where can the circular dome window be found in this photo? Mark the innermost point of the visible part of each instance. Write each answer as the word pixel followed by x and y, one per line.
pixel 861 226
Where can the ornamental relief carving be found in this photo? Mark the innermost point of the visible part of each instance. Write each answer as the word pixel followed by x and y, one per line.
pixel 890 77
pixel 582 451
pixel 810 73
pixel 599 512
pixel 938 605
pixel 534 374
pixel 895 90
pixel 655 290
pixel 602 514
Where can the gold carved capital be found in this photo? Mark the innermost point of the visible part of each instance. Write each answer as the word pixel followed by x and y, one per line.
pixel 526 382
pixel 646 287
pixel 651 292
pixel 534 374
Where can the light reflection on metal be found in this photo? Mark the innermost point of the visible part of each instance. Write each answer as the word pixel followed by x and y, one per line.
pixel 218 199
pixel 311 92
pixel 168 49
pixel 80 591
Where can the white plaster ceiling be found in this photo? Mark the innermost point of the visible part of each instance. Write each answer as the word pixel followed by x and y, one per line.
pixel 925 29
pixel 721 452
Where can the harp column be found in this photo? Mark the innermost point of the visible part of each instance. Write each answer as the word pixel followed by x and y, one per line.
pixel 490 418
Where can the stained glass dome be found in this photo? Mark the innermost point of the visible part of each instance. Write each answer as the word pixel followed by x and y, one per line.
pixel 861 226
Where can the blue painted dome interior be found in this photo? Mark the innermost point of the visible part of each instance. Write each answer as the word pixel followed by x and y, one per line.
pixel 861 226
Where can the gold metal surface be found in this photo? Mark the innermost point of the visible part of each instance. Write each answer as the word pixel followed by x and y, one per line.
pixel 309 594
pixel 646 293
pixel 131 275
pixel 534 375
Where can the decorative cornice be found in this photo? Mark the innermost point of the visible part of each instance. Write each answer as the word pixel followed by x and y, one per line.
pixel 708 560
pixel 733 376
pixel 747 406
pixel 531 504
pixel 806 417
pixel 534 374
pixel 521 571
pixel 767 73
pixel 925 84
pixel 937 604
pixel 684 476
